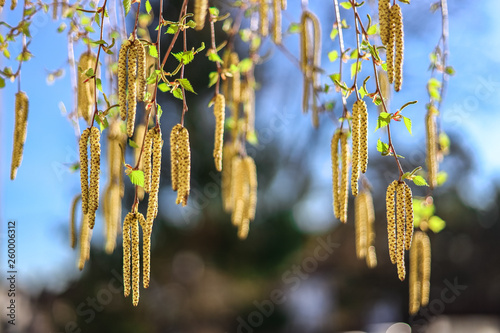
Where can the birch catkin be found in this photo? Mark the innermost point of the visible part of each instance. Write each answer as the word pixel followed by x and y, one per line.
pixel 227 161
pixel 95 167
pixel 127 223
pixel 146 249
pixel 200 13
pixel 251 171
pixel 409 216
pixel 384 9
pixel 360 225
pixel 335 173
pixel 181 163
pixel 425 261
pixel 135 260
pixel 397 19
pixel 155 179
pixel 20 129
pixel 238 183
pixel 147 153
pixel 413 280
pixel 400 230
pixel 219 112
pixel 122 79
pixel 431 141
pixel 132 88
pixel 363 136
pixel 391 220
pixel 277 21
pixel 72 224
pixel 174 156
pixel 85 88
pixel 420 270
pixel 84 169
pixel 390 50
pixel 263 18
pixel 344 182
pixel 85 237
pixel 355 168
pixel 141 70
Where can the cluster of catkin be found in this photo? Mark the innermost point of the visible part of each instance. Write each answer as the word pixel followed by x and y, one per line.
pixel 180 159
pixel 90 186
pixel 359 143
pixel 431 145
pixel 240 190
pixel 310 45
pixel 364 218
pixel 20 126
pixel 131 78
pixel 112 201
pixel 392 36
pixel 420 272
pixel 399 205
pixel 85 88
pixel 340 173
pixel 200 13
pixel 131 261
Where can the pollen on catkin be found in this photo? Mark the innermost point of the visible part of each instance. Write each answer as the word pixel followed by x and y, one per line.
pixel 84 169
pixel 363 136
pixel 72 228
pixel 391 219
pixel 95 168
pixel 135 260
pixel 384 9
pixel 344 182
pixel 239 185
pixel 139 140
pixel 335 173
pixel 390 50
pixel 413 280
pixel 219 113
pixel 409 216
pixel 400 230
pixel 155 178
pixel 132 88
pixel 122 79
pixel 397 19
pixel 360 225
pixel 141 70
pixel 85 237
pixel 174 156
pixel 277 21
pixel 180 153
pixel 251 173
pixel 85 88
pixel 229 151
pixel 425 262
pixel 146 249
pixel 20 129
pixel 431 141
pixel 263 18
pixel 355 168
pixel 127 224
pixel 200 13
pixel 146 158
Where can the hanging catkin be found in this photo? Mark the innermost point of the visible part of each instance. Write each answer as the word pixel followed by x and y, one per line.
pixel 335 173
pixel 344 182
pixel 135 260
pixel 174 156
pixel 277 21
pixel 200 13
pixel 363 136
pixel 263 18
pixel 371 256
pixel 230 150
pixel 397 19
pixel 155 178
pixel 360 225
pixel 413 280
pixel 390 49
pixel 181 153
pixel 20 126
pixel 127 222
pixel 122 79
pixel 431 158
pixel 132 88
pixel 239 184
pixel 146 158
pixel 391 219
pixel 384 9
pixel 420 269
pixel 409 216
pixel 425 262
pixel 219 113
pixel 251 171
pixel 146 249
pixel 141 70
pixel 84 169
pixel 139 140
pixel 85 237
pixel 72 224
pixel 355 168
pixel 95 166
pixel 85 87
pixel 400 230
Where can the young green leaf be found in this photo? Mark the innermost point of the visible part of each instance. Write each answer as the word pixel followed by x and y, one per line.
pixel 186 85
pixel 137 177
pixel 419 181
pixel 159 111
pixel 333 55
pixel 213 78
pixel 148 6
pixel 436 224
pixel 177 92
pixel 383 120
pixel 382 147
pixel 126 6
pixel 163 87
pixel 407 123
pixel 346 5
pixel 372 30
pixel 153 51
pixel 132 143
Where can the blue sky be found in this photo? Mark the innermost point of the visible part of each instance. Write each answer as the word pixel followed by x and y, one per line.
pixel 39 199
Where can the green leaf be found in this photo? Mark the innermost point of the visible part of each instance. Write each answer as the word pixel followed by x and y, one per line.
pixel 245 65
pixel 148 6
pixel 159 111
pixel 444 142
pixel 191 24
pixel 61 27
pixel 334 33
pixel 441 178
pixel 420 181
pixel 132 143
pixel 153 51
pixel 372 30
pixel 172 29
pixel 163 87
pixel 126 6
pixel 449 70
pixel 89 72
pixel 346 5
pixel 362 92
pixel 294 28
pixel 383 120
pixel 213 78
pixel 178 93
pixel 353 68
pixel 137 177
pixel 2 82
pixel 333 55
pixel 213 56
pixel 382 147
pixel 407 124
pixel 436 224
pixel 405 1
pixel 214 11
pixel 186 85
pixel 99 84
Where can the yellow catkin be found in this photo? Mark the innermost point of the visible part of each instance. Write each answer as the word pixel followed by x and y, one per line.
pixel 219 112
pixel 390 50
pixel 305 50
pixel 384 9
pixel 385 87
pixel 95 168
pixel 146 249
pixel 155 178
pixel 413 280
pixel 360 225
pixel 127 224
pixel 239 184
pixel 335 173
pixel 355 168
pixel 54 10
pixel 135 260
pixel 84 169
pixel 409 216
pixel 248 100
pixel 371 257
pixel 122 79
pixel 277 21
pixel 174 156
pixel 431 141
pixel 363 136
pixel 425 262
pixel 391 219
pixel 225 84
pixel 283 4
pixel 139 140
pixel 2 3
pixel 184 157
pixel 20 130
pixel 132 89
pixel 141 69
pixel 200 13
pixel 344 182
pixel 229 152
pixel 235 82
pixel 146 158
pixel 85 88
pixel 72 228
pixel 243 229
pixel 112 214
pixel 251 173
pixel 85 237
pixel 400 230
pixel 13 4
pixel 397 19
pixel 264 18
